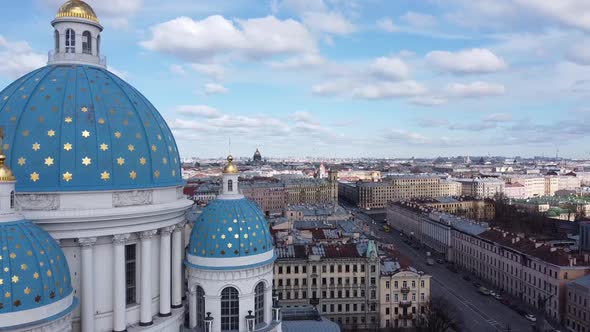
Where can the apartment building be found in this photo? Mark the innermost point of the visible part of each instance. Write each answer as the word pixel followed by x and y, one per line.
pixel 530 269
pixel 404 295
pixel 534 185
pixel 577 303
pixel 397 188
pixel 470 209
pixel 341 280
pixel 481 188
pixel 270 196
pixel 312 191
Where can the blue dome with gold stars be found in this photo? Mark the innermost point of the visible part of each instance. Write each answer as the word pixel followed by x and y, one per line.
pixel 77 127
pixel 34 271
pixel 230 228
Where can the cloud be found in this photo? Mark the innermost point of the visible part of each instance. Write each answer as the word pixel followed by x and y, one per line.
pixel 384 90
pixel 304 117
pixel 216 36
pixel 178 70
pixel 428 100
pixel 402 137
pixel 573 13
pixel 386 24
pixel 18 58
pixel 214 88
pixel 199 110
pixel 580 54
pixel 433 123
pixel 115 12
pixel 419 20
pixel 300 62
pixel 328 22
pixel 475 90
pixel 499 117
pixel 390 68
pixel 472 61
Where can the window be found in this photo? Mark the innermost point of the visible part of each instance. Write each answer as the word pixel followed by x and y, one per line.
pixel 280 270
pixel 339 268
pixel 70 41
pixel 395 284
pixel 421 283
pixel 323 269
pixel 331 268
pixel 230 309
pixel 373 269
pixel 259 303
pixel 12 199
pixel 288 270
pixel 131 274
pixel 297 269
pixel 304 269
pixel 56 39
pixel 314 269
pixel 86 42
pixel 413 284
pixel 230 188
pixel 200 308
pixel 387 284
pixel 386 297
pixel 98 45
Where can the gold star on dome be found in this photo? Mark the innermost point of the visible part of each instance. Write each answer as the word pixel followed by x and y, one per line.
pixel 84 109
pixel 138 135
pixel 105 176
pixel 104 147
pixel 142 161
pixel 86 161
pixel 23 267
pixel 154 148
pixel 48 161
pixel 159 137
pixel 101 121
pixel 67 176
pixel 36 146
pixel 14 279
pixel 36 275
pixel 25 133
pixel 49 273
pixel 22 161
pixel 1 282
pixel 157 174
pixel 85 134
pixel 51 133
pixel 34 176
pixel 27 291
pixel 68 146
pixel 132 175
pixel 7 294
pixel 173 172
pixel 117 134
pixel 164 160
pixel 68 119
pixel 130 147
pixel 120 161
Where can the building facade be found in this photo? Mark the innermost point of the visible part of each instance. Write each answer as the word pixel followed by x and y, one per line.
pixel 312 191
pixel 481 188
pixel 403 298
pixel 577 301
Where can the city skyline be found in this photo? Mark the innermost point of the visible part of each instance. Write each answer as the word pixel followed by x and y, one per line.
pixel 365 79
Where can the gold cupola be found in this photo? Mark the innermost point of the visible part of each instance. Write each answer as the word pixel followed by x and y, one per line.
pixel 77 9
pixel 230 168
pixel 5 172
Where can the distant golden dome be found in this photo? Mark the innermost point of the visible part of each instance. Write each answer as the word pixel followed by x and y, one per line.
pixel 230 168
pixel 77 8
pixel 5 172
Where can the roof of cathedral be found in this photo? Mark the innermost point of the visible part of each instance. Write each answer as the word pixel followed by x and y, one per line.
pixel 230 228
pixel 79 127
pixel 78 9
pixel 34 271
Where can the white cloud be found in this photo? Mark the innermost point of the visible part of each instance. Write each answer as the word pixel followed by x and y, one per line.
pixel 214 88
pixel 383 90
pixel 499 117
pixel 475 89
pixel 213 70
pixel 332 88
pixel 216 36
pixel 573 13
pixel 18 58
pixel 299 62
pixel 472 61
pixel 428 101
pixel 328 22
pixel 199 110
pixel 390 68
pixel 419 20
pixel 386 24
pixel 178 70
pixel 580 54
pixel 115 12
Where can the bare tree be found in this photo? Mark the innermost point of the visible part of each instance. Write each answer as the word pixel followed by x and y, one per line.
pixel 440 316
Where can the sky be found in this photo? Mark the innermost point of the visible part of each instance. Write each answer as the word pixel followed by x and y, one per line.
pixel 342 78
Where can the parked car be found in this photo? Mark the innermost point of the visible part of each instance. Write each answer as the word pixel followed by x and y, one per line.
pixel 498 297
pixel 530 317
pixel 492 293
pixel 466 278
pixel 429 261
pixel 440 261
pixel 483 291
pixel 476 284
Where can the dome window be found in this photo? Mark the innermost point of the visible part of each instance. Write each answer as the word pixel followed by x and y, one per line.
pixel 230 186
pixel 12 199
pixel 259 304
pixel 200 308
pixel 230 309
pixel 98 45
pixel 86 42
pixel 56 37
pixel 70 41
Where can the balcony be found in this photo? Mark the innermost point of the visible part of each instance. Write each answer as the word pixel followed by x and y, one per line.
pixel 82 58
pixel 405 290
pixel 405 303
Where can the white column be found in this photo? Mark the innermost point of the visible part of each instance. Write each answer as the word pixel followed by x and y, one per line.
pixel 145 316
pixel 177 278
pixel 268 304
pixel 87 287
pixel 119 291
pixel 165 271
pixel 192 307
pixel 246 303
pixel 213 305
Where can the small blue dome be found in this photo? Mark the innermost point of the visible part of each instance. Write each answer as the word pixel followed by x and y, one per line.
pixel 78 127
pixel 230 228
pixel 34 272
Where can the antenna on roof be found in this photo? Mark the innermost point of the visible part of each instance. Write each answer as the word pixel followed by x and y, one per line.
pixel 229 145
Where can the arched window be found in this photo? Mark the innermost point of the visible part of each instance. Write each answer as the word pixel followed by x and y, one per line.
pixel 56 37
pixel 230 309
pixel 259 303
pixel 12 199
pixel 87 42
pixel 200 309
pixel 230 185
pixel 98 45
pixel 70 41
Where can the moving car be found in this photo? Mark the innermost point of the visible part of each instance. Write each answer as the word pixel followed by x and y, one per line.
pixel 530 317
pixel 483 291
pixel 429 262
pixel 498 297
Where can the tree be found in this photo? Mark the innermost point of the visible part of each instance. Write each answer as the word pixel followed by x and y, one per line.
pixel 439 316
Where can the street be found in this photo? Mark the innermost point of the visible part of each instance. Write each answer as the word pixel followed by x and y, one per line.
pixel 479 312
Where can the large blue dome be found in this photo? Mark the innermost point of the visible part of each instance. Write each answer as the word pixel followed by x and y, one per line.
pixel 34 272
pixel 78 127
pixel 230 228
